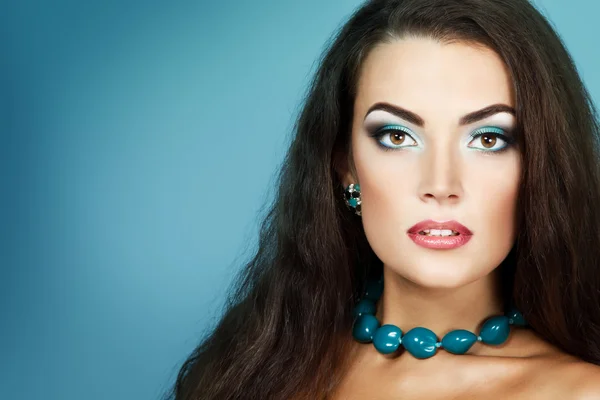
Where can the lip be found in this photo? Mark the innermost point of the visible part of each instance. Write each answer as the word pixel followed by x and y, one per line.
pixel 441 242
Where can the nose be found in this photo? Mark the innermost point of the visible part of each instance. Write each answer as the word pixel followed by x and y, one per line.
pixel 440 176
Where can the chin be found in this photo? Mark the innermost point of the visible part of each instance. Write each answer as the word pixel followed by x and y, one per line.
pixel 428 274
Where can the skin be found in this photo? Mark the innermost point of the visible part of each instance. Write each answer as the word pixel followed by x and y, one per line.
pixel 438 171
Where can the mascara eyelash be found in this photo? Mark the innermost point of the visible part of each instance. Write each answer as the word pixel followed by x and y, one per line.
pixel 490 131
pixel 386 129
pixel 495 132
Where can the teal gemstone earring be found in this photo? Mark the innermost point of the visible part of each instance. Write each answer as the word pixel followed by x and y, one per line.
pixel 352 197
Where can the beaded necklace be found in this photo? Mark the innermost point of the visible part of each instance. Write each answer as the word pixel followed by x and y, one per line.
pixel 421 342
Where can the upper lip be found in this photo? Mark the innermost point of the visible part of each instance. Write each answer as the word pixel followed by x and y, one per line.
pixel 431 224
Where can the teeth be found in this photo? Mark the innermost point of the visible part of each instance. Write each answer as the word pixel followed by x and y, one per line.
pixel 438 232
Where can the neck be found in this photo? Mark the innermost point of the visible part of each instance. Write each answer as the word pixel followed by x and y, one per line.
pixel 407 305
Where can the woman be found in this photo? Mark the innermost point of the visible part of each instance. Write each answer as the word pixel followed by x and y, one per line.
pixel 444 168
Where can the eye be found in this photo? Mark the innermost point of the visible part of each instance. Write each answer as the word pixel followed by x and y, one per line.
pixel 491 139
pixel 392 137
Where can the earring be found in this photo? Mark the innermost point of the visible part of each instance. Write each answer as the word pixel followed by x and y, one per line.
pixel 352 197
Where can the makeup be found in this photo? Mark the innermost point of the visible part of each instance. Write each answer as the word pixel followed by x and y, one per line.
pixel 440 235
pixel 440 242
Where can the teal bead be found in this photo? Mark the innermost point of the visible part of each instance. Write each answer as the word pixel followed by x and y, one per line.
pixel 458 341
pixel 420 342
pixel 357 187
pixel 387 338
pixel 515 317
pixel 364 306
pixel 353 202
pixel 495 330
pixel 364 328
pixel 373 290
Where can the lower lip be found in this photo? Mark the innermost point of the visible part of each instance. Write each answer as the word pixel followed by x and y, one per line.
pixel 440 242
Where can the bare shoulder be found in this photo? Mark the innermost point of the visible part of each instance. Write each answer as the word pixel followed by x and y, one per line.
pixel 583 380
pixel 557 374
pixel 569 376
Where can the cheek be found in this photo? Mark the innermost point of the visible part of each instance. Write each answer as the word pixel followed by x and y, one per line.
pixel 389 198
pixel 389 215
pixel 495 191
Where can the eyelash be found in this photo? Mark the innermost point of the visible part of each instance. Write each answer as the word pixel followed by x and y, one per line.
pixel 387 129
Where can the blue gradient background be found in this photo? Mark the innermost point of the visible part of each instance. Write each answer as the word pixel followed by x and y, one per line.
pixel 140 140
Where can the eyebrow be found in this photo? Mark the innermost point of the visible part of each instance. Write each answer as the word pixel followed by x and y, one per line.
pixel 419 121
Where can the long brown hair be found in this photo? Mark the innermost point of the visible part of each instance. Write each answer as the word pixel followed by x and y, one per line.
pixel 289 314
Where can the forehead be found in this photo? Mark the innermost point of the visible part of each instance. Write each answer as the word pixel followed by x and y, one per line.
pixel 429 77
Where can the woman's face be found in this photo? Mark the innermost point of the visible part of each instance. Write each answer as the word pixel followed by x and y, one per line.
pixel 430 161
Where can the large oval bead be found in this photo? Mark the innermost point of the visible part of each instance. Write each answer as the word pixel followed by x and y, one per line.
pixel 515 317
pixel 364 328
pixel 364 306
pixel 387 338
pixel 458 341
pixel 420 342
pixel 373 290
pixel 495 330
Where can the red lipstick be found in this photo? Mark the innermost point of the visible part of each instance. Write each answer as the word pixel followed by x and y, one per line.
pixel 459 237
